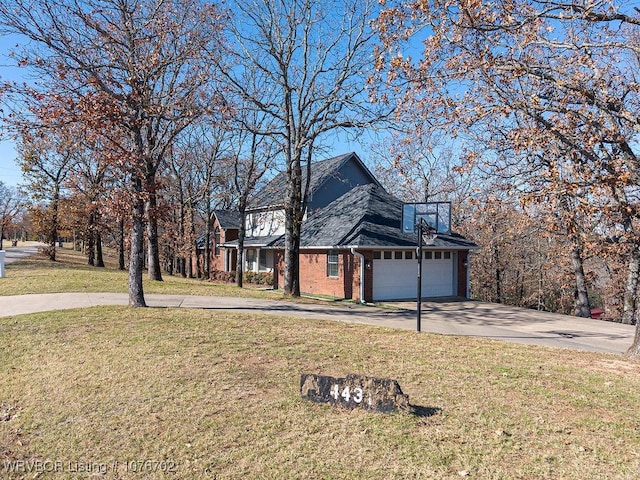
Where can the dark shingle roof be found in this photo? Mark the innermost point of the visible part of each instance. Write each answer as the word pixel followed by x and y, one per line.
pixel 273 194
pixel 367 216
pixel 257 241
pixel 228 218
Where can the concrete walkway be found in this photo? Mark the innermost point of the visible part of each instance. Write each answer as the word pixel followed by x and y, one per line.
pixel 467 318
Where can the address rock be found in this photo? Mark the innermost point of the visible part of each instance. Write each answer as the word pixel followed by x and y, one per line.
pixel 355 392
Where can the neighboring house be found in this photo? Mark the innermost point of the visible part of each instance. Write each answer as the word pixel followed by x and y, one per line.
pixel 352 245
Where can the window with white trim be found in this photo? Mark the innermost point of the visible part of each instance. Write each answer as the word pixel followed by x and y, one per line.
pixel 332 263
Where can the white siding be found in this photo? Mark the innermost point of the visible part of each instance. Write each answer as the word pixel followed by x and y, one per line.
pixel 265 224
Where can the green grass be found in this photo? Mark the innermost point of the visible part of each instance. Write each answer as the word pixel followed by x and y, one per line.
pixel 70 273
pixel 209 394
pixel 217 396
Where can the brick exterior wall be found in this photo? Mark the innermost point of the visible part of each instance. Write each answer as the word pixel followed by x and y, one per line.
pixel 368 277
pixel 314 278
pixel 217 261
pixel 462 273
pixel 315 281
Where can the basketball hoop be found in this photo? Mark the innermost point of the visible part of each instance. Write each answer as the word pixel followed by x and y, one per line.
pixel 429 235
pixel 427 220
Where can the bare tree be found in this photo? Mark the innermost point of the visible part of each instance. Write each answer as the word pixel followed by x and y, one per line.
pixel 540 77
pixel 201 181
pixel 136 73
pixel 11 203
pixel 89 181
pixel 253 156
pixel 46 162
pixel 304 64
pixel 420 164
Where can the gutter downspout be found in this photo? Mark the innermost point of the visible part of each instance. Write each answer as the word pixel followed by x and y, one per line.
pixel 361 257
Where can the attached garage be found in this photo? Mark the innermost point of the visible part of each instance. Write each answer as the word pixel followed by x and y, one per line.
pixel 395 274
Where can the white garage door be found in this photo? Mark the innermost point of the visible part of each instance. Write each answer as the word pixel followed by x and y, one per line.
pixel 397 278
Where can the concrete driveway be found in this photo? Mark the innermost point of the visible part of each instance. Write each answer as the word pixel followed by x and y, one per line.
pixel 520 325
pixel 466 318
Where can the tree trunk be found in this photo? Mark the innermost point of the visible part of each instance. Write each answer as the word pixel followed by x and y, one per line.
pixel 136 258
pixel 242 232
pixel 634 349
pixel 581 306
pixel 292 259
pixel 170 260
pixel 498 277
pixel 99 257
pixel 207 235
pixel 190 243
pixel 194 258
pixel 155 272
pixel 240 266
pixel 631 287
pixel 293 223
pixel 53 234
pixel 121 262
pixel 91 250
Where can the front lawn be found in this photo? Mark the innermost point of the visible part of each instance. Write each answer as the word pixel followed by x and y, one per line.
pixel 70 273
pixel 187 394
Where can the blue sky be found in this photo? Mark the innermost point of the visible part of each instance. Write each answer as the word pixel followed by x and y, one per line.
pixel 11 175
pixel 9 172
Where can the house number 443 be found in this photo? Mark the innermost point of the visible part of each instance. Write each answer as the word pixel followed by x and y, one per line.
pixel 347 394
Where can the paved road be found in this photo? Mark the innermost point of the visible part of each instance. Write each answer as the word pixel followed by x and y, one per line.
pixel 467 318
pixel 13 254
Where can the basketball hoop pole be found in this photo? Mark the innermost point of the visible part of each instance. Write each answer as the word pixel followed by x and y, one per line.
pixel 419 300
pixel 436 218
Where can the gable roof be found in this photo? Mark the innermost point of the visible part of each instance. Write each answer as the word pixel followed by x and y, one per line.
pixel 274 193
pixel 228 219
pixel 367 216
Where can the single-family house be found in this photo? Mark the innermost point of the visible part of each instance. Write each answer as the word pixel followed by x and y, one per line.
pixel 352 244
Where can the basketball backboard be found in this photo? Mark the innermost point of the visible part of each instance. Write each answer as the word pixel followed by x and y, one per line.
pixel 436 215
